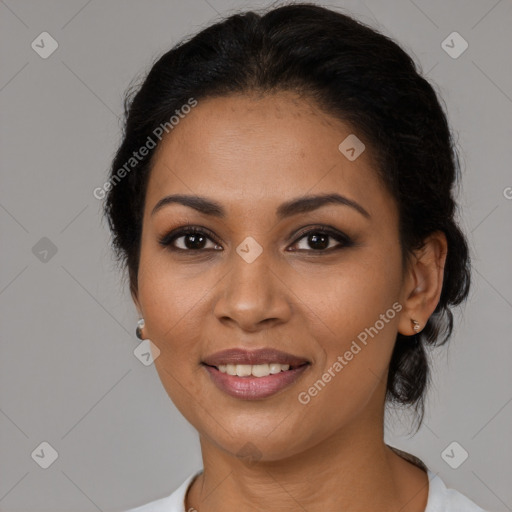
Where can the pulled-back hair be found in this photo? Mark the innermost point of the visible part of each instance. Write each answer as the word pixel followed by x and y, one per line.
pixel 352 72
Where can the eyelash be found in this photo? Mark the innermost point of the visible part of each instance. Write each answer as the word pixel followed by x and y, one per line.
pixel 168 239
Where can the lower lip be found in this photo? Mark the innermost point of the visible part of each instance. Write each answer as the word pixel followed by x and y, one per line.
pixel 254 388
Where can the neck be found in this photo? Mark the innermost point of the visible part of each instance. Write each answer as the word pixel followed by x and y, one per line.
pixel 352 470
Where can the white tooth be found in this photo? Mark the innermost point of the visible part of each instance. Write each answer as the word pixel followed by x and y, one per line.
pixel 256 370
pixel 231 369
pixel 260 370
pixel 243 370
pixel 274 368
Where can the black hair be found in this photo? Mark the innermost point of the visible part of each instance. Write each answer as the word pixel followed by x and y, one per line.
pixel 352 72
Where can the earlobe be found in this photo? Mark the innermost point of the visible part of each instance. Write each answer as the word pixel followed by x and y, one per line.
pixel 424 284
pixel 138 330
pixel 140 323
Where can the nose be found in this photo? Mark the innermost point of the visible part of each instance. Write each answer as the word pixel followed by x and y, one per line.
pixel 253 295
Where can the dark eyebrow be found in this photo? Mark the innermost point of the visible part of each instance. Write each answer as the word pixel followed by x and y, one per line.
pixel 310 203
pixel 293 207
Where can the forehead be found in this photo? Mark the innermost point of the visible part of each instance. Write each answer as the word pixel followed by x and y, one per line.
pixel 249 150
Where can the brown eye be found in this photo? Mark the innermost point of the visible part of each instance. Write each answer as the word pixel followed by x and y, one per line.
pixel 194 239
pixel 320 240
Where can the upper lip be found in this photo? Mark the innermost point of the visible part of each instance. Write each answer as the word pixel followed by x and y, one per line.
pixel 259 356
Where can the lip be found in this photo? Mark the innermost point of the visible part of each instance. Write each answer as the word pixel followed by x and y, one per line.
pixel 254 388
pixel 259 356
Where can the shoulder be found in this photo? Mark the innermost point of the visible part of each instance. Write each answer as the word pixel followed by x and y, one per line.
pixel 175 502
pixel 444 499
pixel 440 498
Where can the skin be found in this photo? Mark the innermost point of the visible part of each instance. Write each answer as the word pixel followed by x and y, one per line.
pixel 251 153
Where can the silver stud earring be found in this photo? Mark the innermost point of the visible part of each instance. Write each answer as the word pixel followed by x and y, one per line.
pixel 416 325
pixel 138 330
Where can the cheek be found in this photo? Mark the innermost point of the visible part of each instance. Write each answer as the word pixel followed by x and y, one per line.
pixel 173 305
pixel 168 291
pixel 354 321
pixel 351 298
pixel 174 308
pixel 173 314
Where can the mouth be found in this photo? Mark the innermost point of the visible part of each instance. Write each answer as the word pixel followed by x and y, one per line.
pixel 260 358
pixel 255 370
pixel 254 375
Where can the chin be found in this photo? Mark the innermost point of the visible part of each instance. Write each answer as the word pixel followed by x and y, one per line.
pixel 256 442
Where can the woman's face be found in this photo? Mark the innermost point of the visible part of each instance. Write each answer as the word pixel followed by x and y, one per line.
pixel 257 280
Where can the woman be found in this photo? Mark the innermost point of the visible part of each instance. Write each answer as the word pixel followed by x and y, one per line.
pixel 282 201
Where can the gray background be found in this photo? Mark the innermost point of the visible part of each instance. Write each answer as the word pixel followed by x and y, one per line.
pixel 68 375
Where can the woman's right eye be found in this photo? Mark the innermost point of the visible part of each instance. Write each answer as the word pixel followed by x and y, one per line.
pixel 191 239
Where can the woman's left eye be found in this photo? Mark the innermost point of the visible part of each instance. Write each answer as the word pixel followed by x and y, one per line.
pixel 318 239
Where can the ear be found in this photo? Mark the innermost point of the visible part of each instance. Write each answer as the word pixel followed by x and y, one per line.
pixel 423 283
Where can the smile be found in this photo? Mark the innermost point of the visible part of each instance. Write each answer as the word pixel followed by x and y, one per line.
pixel 254 382
pixel 255 370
